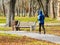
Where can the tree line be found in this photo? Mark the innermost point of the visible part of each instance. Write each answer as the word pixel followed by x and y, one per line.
pixel 10 8
pixel 24 7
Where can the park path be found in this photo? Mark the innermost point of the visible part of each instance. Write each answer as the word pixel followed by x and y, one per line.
pixel 46 37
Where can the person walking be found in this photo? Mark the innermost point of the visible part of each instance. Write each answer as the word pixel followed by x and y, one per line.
pixel 41 18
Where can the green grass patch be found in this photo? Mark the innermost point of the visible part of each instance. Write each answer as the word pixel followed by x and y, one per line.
pixel 55 30
pixel 2 19
pixel 29 19
pixel 50 20
pixel 26 19
pixel 11 35
pixel 5 28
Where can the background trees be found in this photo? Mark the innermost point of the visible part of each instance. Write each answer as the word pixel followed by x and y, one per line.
pixel 27 8
pixel 10 11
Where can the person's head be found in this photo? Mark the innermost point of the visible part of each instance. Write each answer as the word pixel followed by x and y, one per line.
pixel 39 12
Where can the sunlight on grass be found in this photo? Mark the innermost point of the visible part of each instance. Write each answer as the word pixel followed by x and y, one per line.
pixel 11 35
pixel 5 28
pixel 26 19
pixel 29 19
pixel 55 30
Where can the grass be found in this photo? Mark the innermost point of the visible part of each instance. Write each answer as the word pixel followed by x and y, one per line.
pixel 2 19
pixel 9 35
pixel 50 30
pixel 55 30
pixel 28 19
pixel 21 40
pixel 5 28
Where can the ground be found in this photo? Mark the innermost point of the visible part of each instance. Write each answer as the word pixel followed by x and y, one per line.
pixel 7 40
pixel 55 30
pixel 22 40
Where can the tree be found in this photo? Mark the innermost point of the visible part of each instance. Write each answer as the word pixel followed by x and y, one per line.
pixel 47 1
pixel 30 8
pixel 10 8
pixel 18 7
pixel 12 11
pixel 41 5
pixel 3 7
pixel 22 8
pixel 54 8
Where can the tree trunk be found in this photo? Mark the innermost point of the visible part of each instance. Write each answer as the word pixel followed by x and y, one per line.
pixel 4 10
pixel 3 7
pixel 18 8
pixel 12 11
pixel 47 1
pixel 29 8
pixel 10 14
pixel 51 8
pixel 41 5
pixel 22 8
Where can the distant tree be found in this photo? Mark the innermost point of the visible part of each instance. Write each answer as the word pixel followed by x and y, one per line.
pixel 29 8
pixel 22 8
pixel 41 5
pixel 54 8
pixel 46 14
pixel 18 7
pixel 3 8
pixel 52 5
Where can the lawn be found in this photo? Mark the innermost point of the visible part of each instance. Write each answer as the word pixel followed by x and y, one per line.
pixel 49 30
pixel 55 30
pixel 23 40
pixel 28 19
pixel 8 39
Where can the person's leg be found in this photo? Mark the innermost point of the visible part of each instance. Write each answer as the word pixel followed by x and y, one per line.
pixel 43 28
pixel 39 28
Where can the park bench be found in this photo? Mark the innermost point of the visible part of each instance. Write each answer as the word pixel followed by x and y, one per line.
pixel 31 25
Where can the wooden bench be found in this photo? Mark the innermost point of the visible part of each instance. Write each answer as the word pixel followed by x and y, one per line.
pixel 31 25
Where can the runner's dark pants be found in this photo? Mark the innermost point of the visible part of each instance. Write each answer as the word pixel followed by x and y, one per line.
pixel 41 25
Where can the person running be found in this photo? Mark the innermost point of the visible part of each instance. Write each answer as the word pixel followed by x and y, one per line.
pixel 41 18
